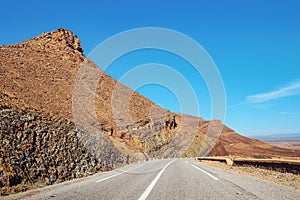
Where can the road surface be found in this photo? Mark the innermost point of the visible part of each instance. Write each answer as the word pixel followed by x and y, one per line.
pixel 167 179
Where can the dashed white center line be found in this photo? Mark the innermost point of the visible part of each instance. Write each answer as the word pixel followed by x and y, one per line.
pixel 153 183
pixel 213 177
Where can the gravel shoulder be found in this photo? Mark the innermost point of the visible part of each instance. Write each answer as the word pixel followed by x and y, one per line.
pixel 287 179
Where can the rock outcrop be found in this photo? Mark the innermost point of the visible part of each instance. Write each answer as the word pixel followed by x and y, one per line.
pixel 38 149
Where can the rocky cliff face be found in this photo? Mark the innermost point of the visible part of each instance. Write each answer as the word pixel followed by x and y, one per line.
pixel 38 149
pixel 50 131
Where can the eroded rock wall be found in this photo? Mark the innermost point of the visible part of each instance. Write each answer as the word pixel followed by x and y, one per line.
pixel 38 150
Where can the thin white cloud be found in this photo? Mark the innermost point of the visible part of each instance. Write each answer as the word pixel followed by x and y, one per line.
pixel 286 113
pixel 289 114
pixel 290 90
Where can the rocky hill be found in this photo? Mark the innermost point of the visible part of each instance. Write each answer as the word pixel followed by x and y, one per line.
pixel 57 124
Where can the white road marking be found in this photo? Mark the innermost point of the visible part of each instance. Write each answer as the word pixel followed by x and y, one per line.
pixel 109 177
pixel 213 177
pixel 123 172
pixel 153 183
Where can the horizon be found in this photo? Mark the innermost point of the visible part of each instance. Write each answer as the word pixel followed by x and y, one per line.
pixel 256 54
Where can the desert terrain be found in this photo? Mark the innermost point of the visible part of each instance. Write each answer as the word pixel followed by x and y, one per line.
pixel 52 131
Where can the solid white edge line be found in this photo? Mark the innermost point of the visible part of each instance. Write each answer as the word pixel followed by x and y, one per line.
pixel 153 183
pixel 118 174
pixel 213 177
pixel 109 177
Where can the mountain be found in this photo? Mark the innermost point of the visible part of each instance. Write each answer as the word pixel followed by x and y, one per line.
pixel 279 137
pixel 62 118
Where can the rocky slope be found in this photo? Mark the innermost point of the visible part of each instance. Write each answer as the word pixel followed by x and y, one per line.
pixel 39 149
pixel 231 143
pixel 64 118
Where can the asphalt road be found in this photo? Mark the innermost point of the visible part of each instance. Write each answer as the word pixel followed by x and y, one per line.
pixel 167 179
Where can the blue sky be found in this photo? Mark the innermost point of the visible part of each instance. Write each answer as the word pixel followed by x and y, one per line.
pixel 255 45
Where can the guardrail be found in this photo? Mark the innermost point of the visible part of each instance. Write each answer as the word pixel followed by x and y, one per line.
pixel 282 165
pixel 228 160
